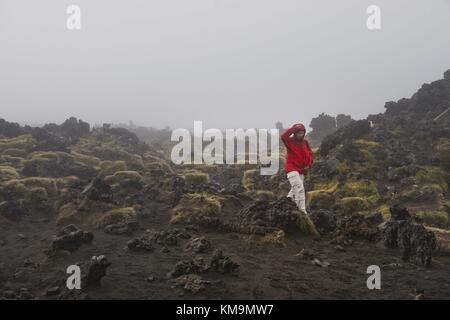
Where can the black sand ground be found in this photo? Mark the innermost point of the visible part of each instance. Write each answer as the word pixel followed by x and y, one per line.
pixel 266 271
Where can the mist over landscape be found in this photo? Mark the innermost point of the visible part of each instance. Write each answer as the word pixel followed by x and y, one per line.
pixel 228 63
pixel 101 199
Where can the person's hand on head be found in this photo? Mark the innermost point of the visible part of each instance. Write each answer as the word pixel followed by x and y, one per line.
pixel 298 127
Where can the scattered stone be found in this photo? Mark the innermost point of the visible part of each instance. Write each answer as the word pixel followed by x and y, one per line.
pixel 265 216
pixel 21 236
pixel 360 227
pixel 53 291
pixel 184 235
pixel 28 263
pixel 196 265
pixel 419 294
pixel 9 294
pixel 323 264
pixel 71 238
pixel 393 265
pixel 399 213
pixel 324 220
pixel 191 282
pixel 140 245
pixel 305 254
pixel 18 274
pixel 414 240
pixel 198 245
pixel 122 228
pixel 169 238
pixel 339 248
pixel 24 294
pixel 98 190
pixel 165 250
pixel 223 264
pixel 191 228
pixel 96 270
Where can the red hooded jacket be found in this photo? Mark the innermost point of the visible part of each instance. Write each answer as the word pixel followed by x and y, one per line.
pixel 299 154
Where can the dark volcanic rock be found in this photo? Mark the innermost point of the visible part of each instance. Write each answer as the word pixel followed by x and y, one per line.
pixel 57 167
pixel 128 139
pixel 354 130
pixel 74 129
pixel 53 291
pixel 71 238
pixel 198 245
pixel 218 263
pixel 264 217
pixel 169 238
pixel 13 210
pixel 96 270
pixel 399 213
pixel 178 185
pixel 140 245
pixel 324 220
pixel 325 168
pixel 122 228
pixel 53 137
pixel 10 129
pixel 98 190
pixel 223 264
pixel 360 227
pixel 207 221
pixel 10 295
pixel 351 152
pixel 48 141
pixel 192 283
pixel 24 294
pixel 196 265
pixel 447 75
pixel 414 240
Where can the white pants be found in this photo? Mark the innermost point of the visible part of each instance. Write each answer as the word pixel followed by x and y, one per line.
pixel 297 192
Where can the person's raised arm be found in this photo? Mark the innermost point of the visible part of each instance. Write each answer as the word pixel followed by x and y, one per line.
pixel 285 136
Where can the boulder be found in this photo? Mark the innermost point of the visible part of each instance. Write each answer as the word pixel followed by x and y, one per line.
pixel 413 239
pixel 71 238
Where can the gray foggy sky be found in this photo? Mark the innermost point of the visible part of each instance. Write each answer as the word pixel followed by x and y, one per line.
pixel 230 63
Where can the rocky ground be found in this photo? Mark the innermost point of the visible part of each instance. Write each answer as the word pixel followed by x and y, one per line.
pixel 141 228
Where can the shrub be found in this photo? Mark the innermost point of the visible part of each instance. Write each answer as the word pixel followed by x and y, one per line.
pixel 320 200
pixel 8 173
pixel 351 205
pixel 196 178
pixel 276 238
pixel 195 205
pixel 115 216
pixel 434 218
pixel 108 167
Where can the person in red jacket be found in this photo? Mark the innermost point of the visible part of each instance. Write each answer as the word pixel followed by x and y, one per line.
pixel 298 161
